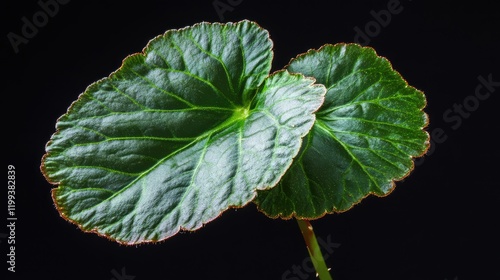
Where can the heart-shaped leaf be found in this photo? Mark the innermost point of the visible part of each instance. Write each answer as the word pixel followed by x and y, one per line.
pixel 365 136
pixel 192 126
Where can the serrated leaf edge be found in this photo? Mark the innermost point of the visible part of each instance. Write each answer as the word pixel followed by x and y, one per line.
pixel 394 180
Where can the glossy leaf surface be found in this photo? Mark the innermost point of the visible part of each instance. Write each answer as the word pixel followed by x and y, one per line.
pixel 192 126
pixel 367 132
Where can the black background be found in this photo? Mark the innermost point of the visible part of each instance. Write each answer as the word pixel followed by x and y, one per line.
pixel 442 222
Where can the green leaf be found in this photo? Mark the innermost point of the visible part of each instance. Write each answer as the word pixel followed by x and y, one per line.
pixel 367 132
pixel 185 130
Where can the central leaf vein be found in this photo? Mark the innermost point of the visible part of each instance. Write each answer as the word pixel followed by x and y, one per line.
pixel 327 130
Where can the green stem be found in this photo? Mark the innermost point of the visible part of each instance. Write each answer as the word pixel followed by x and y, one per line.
pixel 314 250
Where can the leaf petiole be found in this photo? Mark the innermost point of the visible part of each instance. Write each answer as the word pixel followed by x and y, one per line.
pixel 322 272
